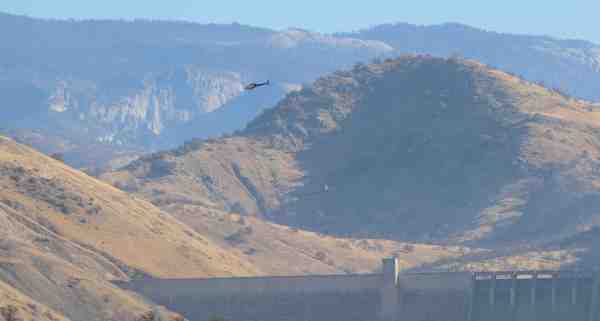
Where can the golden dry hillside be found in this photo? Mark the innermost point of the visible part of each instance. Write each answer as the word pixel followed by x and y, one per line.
pixel 12 302
pixel 132 232
pixel 65 235
pixel 416 149
pixel 37 265
pixel 282 250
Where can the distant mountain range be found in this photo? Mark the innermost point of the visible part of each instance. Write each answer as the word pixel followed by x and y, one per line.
pixel 572 66
pixel 148 85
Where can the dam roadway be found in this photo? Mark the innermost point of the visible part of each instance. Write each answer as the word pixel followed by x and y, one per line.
pixel 386 296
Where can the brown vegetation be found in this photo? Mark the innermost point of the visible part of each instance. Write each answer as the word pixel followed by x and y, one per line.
pixel 10 313
pixel 65 235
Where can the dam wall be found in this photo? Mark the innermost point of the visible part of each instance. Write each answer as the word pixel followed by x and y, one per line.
pixel 267 298
pixel 386 296
pixel 219 287
pixel 535 295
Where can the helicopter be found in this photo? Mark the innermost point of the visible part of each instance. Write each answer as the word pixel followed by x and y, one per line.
pixel 252 86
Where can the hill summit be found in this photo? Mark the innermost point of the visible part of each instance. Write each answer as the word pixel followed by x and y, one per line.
pixel 414 148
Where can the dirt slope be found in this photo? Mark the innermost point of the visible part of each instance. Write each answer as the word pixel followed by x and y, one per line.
pixel 26 308
pixel 65 235
pixel 282 250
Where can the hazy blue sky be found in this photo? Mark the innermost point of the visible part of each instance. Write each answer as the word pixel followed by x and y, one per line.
pixel 561 18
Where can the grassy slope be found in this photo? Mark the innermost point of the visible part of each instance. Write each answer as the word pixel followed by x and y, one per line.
pixel 99 216
pixel 65 235
pixel 282 250
pixel 28 309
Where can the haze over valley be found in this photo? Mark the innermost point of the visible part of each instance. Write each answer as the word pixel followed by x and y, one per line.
pixel 160 83
pixel 133 151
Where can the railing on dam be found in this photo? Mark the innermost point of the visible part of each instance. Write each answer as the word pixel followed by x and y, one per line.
pixel 535 295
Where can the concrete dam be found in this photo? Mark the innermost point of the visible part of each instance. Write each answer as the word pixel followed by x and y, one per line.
pixel 385 296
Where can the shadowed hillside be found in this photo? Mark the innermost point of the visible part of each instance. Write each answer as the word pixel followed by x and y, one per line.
pixel 416 148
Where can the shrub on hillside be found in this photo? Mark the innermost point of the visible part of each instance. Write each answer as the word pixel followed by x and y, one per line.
pixel 408 248
pixel 58 156
pixel 148 316
pixel 158 315
pixel 217 318
pixel 321 256
pixel 10 313
pixel 239 236
pixel 189 146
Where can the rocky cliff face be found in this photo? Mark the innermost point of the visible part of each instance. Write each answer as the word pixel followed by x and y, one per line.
pixel 159 102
